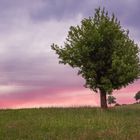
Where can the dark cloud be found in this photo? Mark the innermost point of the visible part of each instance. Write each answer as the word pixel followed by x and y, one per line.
pixel 61 9
pixel 127 11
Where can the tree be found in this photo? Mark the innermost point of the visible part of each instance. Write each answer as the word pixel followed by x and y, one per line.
pixel 137 96
pixel 111 100
pixel 102 52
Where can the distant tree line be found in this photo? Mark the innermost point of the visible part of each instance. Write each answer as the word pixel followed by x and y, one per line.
pixel 112 100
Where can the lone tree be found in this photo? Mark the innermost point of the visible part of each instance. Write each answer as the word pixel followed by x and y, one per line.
pixel 102 52
pixel 137 96
pixel 111 99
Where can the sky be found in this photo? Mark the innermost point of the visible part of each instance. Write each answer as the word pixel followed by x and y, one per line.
pixel 30 75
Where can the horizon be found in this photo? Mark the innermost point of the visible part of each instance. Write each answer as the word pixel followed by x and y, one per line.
pixel 30 73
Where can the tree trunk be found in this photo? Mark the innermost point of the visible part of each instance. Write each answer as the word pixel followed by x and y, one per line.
pixel 103 100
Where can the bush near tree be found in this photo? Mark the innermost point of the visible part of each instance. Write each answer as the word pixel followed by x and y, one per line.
pixel 111 100
pixel 137 96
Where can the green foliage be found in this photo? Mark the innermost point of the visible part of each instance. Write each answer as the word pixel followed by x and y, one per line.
pixel 118 123
pixel 102 51
pixel 137 96
pixel 111 99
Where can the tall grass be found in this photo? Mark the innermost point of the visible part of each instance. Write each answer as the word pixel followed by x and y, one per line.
pixel 119 123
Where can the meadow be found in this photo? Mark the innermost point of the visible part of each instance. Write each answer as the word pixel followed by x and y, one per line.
pixel 83 123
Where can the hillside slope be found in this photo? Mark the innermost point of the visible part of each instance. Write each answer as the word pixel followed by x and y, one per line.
pixel 119 123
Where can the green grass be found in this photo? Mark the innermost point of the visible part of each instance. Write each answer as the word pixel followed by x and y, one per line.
pixel 119 123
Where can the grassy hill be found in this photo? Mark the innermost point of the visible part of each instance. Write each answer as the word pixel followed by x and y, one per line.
pixel 119 123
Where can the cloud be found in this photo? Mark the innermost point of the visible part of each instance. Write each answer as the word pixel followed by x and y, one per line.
pixel 59 10
pixel 69 9
pixel 26 56
pixel 6 89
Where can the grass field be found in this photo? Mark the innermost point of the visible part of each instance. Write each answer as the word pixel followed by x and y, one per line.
pixel 119 123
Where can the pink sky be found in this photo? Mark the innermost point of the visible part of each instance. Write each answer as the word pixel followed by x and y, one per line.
pixel 64 97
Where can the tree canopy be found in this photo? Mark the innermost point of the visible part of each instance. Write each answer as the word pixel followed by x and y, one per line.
pixel 103 52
